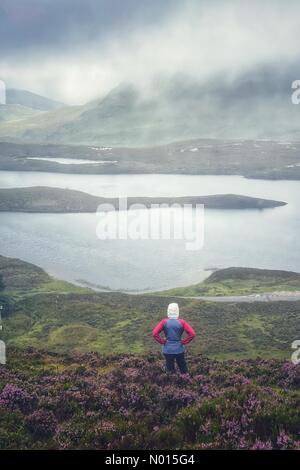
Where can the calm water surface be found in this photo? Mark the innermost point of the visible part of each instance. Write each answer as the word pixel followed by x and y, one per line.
pixel 66 245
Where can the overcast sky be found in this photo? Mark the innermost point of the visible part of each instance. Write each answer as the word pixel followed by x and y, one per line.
pixel 76 50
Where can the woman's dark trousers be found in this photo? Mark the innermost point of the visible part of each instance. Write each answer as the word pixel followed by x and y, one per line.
pixel 179 359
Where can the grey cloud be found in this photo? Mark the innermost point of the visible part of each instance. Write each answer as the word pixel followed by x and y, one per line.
pixel 45 24
pixel 77 50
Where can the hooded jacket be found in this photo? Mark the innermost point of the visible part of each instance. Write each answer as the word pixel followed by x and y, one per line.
pixel 173 330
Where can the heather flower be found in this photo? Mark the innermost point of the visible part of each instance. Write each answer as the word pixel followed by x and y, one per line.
pixel 200 378
pixel 106 426
pixel 260 445
pixel 208 390
pixel 17 398
pixel 41 424
pixel 128 402
pixel 206 427
pixel 284 441
pixel 177 398
pixel 68 435
pixel 290 375
pixel 132 374
pixel 231 428
pixel 124 412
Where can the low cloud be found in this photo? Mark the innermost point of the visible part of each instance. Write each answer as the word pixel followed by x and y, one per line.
pixel 204 39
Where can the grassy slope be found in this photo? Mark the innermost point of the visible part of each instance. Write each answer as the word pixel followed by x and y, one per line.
pixel 46 313
pixel 15 112
pixel 240 281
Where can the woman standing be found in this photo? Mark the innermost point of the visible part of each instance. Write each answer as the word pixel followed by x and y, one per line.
pixel 173 345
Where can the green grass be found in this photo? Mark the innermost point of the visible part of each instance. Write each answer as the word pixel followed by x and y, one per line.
pixel 24 279
pixel 95 322
pixel 227 282
pixel 57 316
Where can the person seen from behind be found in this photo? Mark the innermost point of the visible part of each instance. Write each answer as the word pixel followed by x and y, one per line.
pixel 173 349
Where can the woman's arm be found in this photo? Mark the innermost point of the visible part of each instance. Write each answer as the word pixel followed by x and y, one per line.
pixel 189 330
pixel 156 332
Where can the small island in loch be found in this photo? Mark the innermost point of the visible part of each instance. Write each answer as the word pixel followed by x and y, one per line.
pixel 57 200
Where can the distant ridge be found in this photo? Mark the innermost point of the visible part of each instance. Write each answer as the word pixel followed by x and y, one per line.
pixel 176 109
pixel 31 100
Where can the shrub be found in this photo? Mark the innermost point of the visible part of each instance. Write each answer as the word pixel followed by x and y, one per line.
pixel 42 424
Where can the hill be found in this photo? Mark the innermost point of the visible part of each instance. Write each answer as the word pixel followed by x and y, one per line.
pixel 55 200
pixel 31 100
pixel 42 312
pixel 15 112
pixel 179 108
pixel 22 104
pixel 240 281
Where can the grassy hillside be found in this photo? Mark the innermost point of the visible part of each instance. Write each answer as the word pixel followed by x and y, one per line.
pixel 22 278
pixel 50 401
pixel 15 112
pixel 240 281
pixel 21 105
pixel 46 313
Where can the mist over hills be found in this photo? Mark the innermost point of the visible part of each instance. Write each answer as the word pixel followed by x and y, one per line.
pixel 186 69
pixel 254 105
